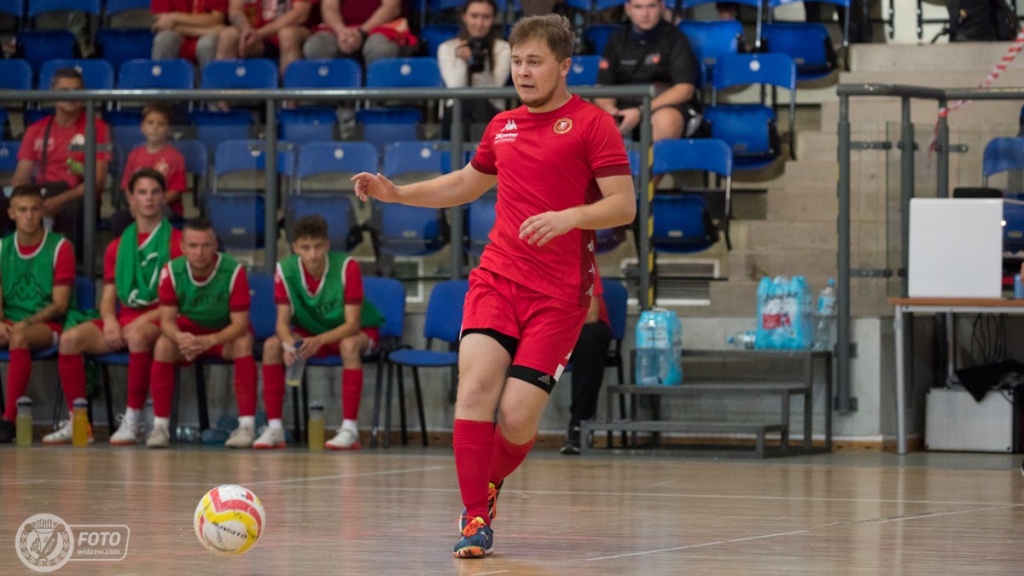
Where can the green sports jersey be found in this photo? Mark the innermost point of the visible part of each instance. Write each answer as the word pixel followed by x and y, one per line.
pixel 137 268
pixel 206 303
pixel 324 310
pixel 27 279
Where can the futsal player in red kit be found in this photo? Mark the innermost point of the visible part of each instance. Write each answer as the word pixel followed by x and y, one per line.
pixel 562 170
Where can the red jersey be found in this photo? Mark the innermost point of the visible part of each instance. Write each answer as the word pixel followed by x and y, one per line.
pixel 355 12
pixel 262 12
pixel 63 262
pixel 167 161
pixel 548 161
pixel 188 44
pixel 62 165
pixel 350 277
pixel 124 313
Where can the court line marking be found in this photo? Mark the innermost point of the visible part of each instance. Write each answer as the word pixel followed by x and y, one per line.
pixel 879 520
pixel 254 483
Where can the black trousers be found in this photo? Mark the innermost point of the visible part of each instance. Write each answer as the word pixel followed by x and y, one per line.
pixel 588 364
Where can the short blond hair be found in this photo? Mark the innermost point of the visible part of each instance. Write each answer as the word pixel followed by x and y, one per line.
pixel 553 29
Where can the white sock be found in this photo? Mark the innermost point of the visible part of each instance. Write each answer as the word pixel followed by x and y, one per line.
pixel 349 425
pixel 247 422
pixel 131 416
pixel 159 422
pixel 275 424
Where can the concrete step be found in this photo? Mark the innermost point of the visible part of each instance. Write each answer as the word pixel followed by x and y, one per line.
pixel 938 58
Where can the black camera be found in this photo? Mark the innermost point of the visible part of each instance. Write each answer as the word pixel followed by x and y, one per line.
pixel 479 51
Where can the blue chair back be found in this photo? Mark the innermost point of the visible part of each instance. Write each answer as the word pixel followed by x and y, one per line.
pixel 240 74
pixel 388 295
pixel 480 215
pixel 741 69
pixel 98 74
pixel 335 157
pixel 243 155
pixel 433 35
pixel 115 7
pixel 807 43
pixel 323 73
pixel 1001 155
pixel 15 8
pixel 85 293
pixel 583 71
pixel 747 129
pixel 214 127
pixel 598 34
pixel 412 72
pixel 196 156
pixel 262 308
pixel 15 74
pixel 616 298
pixel 710 40
pixel 419 158
pixel 143 74
pixel 303 125
pixel 237 219
pixel 119 45
pixel 708 155
pixel 9 155
pixel 443 320
pixel 40 46
pixel 383 126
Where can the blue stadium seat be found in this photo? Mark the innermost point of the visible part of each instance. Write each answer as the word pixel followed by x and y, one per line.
pixel 681 221
pixel 9 155
pixel 597 35
pixel 401 230
pixel 433 35
pixel 146 74
pixel 583 71
pixel 39 46
pixel 710 40
pixel 243 73
pixel 98 74
pixel 302 125
pixel 119 45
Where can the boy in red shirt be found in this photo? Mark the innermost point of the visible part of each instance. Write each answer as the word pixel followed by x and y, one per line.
pixel 129 315
pixel 562 170
pixel 204 312
pixel 37 277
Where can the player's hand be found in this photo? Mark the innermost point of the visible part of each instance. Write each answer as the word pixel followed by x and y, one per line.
pixel 540 229
pixel 291 353
pixel 112 335
pixel 310 346
pixel 375 186
pixel 628 120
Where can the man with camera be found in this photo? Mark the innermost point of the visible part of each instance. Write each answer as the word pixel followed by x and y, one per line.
pixel 477 57
pixel 652 51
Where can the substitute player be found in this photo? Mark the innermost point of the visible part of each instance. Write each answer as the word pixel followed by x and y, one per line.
pixel 204 312
pixel 562 170
pixel 129 309
pixel 320 312
pixel 37 276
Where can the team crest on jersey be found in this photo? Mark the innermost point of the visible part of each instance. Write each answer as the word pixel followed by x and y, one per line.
pixel 562 125
pixel 652 59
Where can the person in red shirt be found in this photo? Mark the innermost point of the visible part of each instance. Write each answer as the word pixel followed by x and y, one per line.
pixel 37 276
pixel 267 29
pixel 129 315
pixel 158 153
pixel 561 166
pixel 348 30
pixel 204 312
pixel 187 29
pixel 46 158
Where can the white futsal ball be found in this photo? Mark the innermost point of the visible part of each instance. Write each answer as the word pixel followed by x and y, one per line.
pixel 229 520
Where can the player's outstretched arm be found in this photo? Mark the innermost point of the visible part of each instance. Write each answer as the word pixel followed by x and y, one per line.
pixel 452 189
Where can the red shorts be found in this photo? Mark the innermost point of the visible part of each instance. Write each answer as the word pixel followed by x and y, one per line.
pixel 335 349
pixel 123 321
pixel 54 327
pixel 543 330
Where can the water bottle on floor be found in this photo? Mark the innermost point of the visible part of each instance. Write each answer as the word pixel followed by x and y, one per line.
pixel 742 341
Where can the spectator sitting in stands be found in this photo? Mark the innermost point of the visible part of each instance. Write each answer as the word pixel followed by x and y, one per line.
pixel 37 275
pixel 372 29
pixel 266 30
pixel 652 51
pixel 476 58
pixel 187 29
pixel 46 158
pixel 157 153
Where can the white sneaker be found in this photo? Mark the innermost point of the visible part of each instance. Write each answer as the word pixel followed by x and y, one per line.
pixel 159 437
pixel 240 438
pixel 63 434
pixel 345 440
pixel 127 434
pixel 271 438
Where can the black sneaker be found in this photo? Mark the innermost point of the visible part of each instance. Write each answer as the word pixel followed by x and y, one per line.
pixel 572 442
pixel 7 431
pixel 1022 467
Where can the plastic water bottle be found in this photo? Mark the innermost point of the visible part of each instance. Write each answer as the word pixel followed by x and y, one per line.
pixel 293 373
pixel 316 427
pixel 674 368
pixel 743 341
pixel 23 422
pixel 826 316
pixel 647 364
pixel 80 422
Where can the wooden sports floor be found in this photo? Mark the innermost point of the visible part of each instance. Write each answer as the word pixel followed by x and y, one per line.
pixel 390 512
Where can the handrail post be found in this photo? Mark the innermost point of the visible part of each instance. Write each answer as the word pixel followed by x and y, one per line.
pixel 271 196
pixel 942 153
pixel 906 186
pixel 842 400
pixel 646 264
pixel 455 214
pixel 90 209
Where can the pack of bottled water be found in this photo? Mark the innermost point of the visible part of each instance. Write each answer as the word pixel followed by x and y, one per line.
pixel 659 348
pixel 783 314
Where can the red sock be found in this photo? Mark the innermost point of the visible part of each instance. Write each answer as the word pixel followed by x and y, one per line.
pixel 473 442
pixel 245 385
pixel 351 393
pixel 161 385
pixel 139 366
pixel 273 390
pixel 507 456
pixel 18 373
pixel 71 368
